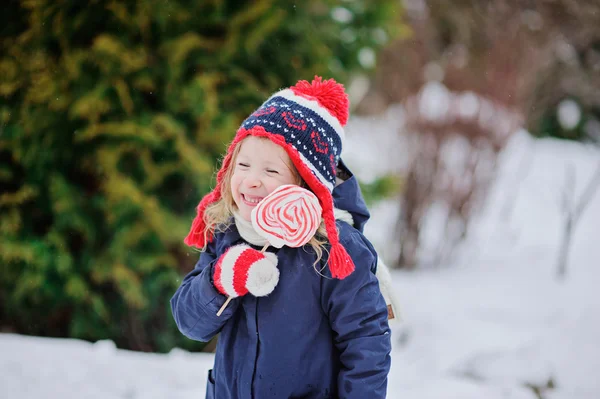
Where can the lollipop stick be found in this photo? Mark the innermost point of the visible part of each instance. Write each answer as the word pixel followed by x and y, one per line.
pixel 229 298
pixel 262 251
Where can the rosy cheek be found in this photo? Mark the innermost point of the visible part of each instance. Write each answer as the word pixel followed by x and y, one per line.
pixel 234 186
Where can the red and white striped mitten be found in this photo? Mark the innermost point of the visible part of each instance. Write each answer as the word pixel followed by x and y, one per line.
pixel 242 269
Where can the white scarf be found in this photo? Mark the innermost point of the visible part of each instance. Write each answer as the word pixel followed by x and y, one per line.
pixel 247 231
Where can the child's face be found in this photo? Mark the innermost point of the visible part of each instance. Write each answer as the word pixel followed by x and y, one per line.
pixel 260 167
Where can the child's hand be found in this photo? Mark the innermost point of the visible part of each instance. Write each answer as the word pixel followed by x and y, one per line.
pixel 242 269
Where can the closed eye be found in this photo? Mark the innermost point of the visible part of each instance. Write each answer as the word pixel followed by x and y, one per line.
pixel 243 165
pixel 273 171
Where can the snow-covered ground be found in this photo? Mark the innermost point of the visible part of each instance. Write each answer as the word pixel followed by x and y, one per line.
pixel 485 328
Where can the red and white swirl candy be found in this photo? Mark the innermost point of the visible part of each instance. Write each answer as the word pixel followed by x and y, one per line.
pixel 290 216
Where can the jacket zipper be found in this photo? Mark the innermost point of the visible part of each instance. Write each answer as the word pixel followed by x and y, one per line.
pixel 257 349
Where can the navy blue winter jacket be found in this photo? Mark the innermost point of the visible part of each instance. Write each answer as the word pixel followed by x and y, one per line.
pixel 312 337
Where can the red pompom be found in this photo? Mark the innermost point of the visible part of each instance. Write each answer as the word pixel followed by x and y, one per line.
pixel 328 93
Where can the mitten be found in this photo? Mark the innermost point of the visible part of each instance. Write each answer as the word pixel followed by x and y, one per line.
pixel 242 269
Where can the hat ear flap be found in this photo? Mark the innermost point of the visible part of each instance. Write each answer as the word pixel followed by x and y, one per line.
pixel 195 237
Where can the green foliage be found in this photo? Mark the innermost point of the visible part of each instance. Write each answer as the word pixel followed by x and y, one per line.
pixel 112 115
pixel 549 125
pixel 382 187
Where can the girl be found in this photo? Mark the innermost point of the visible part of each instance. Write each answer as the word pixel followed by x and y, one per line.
pixel 322 332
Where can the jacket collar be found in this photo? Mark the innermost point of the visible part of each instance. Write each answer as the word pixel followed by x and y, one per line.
pixel 348 197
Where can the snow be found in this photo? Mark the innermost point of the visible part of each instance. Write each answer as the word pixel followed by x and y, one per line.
pixel 367 57
pixel 342 14
pixel 569 114
pixel 366 155
pixel 489 326
pixel 33 367
pixel 499 320
pixel 434 101
pixel 468 105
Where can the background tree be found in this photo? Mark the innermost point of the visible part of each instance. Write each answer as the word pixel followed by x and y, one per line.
pixel 564 102
pixel 468 76
pixel 462 77
pixel 112 115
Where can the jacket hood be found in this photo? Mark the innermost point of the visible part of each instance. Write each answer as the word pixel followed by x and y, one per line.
pixel 348 197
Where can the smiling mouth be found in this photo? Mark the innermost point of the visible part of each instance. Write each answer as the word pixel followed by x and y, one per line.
pixel 251 200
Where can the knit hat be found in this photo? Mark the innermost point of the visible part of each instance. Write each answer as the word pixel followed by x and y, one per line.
pixel 308 121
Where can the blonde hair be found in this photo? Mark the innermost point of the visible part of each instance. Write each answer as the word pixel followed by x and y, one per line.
pixel 219 215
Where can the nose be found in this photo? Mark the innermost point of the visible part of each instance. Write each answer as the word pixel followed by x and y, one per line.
pixel 253 181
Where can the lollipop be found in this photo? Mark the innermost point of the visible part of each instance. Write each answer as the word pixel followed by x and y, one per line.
pixel 290 216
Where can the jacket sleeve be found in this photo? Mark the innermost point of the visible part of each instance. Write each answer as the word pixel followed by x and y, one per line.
pixel 358 317
pixel 196 301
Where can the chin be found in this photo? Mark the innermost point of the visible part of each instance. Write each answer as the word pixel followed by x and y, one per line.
pixel 244 212
pixel 246 215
